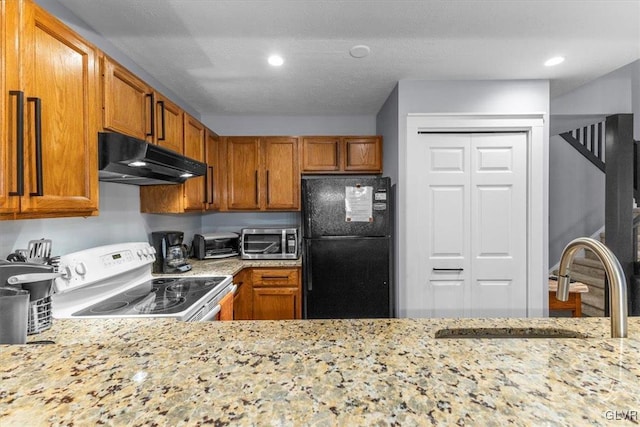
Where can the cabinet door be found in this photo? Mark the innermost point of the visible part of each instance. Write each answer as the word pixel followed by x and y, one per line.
pixel 281 175
pixel 226 307
pixel 194 188
pixel 61 82
pixel 276 293
pixel 243 165
pixel 10 134
pixel 126 102
pixel 362 154
pixel 243 299
pixel 276 303
pixel 275 276
pixel 214 176
pixel 321 154
pixel 169 124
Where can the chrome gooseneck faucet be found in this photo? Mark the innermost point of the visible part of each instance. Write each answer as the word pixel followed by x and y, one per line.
pixel 614 274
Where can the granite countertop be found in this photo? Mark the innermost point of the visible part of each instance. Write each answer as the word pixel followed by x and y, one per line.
pixel 231 265
pixel 319 372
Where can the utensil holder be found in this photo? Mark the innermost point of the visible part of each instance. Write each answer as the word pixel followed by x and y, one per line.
pixel 40 318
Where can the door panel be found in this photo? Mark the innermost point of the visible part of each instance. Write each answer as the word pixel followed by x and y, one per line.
pixel 242 174
pixel 347 278
pixel 498 200
pixel 61 71
pixel 466 214
pixel 282 176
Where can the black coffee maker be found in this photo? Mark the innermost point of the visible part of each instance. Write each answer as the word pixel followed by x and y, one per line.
pixel 171 254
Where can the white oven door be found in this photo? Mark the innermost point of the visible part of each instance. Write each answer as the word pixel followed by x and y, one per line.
pixel 211 315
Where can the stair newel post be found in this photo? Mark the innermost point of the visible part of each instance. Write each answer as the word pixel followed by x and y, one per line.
pixel 619 181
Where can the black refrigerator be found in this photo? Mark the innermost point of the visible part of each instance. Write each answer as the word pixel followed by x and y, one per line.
pixel 347 247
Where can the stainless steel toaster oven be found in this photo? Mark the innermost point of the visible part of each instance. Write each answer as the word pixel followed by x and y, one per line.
pixel 215 245
pixel 270 243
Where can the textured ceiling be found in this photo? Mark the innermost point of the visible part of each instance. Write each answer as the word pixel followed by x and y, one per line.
pixel 213 53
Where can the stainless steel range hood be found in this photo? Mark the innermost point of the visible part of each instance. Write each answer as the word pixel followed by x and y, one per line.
pixel 128 160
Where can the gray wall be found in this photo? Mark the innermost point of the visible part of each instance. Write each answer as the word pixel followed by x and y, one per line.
pixel 119 221
pixel 387 126
pixel 576 197
pixel 492 96
pixel 576 188
pixel 291 125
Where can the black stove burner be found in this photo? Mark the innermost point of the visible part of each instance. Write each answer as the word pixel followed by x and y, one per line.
pixel 158 305
pixel 108 306
pixel 139 291
pixel 164 280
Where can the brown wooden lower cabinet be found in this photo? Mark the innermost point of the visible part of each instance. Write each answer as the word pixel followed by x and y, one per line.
pixel 268 294
pixel 226 307
pixel 243 301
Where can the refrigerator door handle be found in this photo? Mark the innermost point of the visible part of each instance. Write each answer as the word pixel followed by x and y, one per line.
pixel 307 276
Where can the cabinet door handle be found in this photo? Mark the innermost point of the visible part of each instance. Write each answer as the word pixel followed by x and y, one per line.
pixel 19 142
pixel 209 194
pixel 337 154
pixel 152 116
pixel 274 277
pixel 213 187
pixel 162 128
pixel 206 186
pixel 268 190
pixel 38 129
pixel 256 183
pixel 448 269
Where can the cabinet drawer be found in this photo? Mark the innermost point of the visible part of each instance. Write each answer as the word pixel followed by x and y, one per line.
pixel 275 277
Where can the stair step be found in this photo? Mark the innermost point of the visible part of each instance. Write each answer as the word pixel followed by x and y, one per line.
pixel 587 280
pixel 587 269
pixel 594 299
pixel 590 311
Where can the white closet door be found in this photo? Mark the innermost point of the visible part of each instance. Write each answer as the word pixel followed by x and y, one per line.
pixel 466 225
pixel 498 225
pixel 438 226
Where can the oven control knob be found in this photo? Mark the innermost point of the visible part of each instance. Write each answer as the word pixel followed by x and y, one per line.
pixel 81 269
pixel 146 253
pixel 66 272
pixel 139 253
pixel 152 250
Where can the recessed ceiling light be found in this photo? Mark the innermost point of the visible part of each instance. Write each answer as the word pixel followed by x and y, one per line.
pixel 554 61
pixel 186 175
pixel 359 51
pixel 275 60
pixel 137 164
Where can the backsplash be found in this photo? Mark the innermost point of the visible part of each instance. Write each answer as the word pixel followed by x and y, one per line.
pixel 120 220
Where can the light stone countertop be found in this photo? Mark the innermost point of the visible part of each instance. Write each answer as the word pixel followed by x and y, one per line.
pixel 231 265
pixel 319 372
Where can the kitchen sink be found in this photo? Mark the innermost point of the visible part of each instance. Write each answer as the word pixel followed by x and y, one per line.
pixel 507 333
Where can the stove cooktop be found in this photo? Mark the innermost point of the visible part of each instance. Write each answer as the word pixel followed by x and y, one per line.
pixel 164 296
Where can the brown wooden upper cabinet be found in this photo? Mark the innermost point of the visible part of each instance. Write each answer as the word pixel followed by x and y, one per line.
pixel 132 107
pixel 170 124
pixel 214 178
pixel 262 173
pixel 188 197
pixel 341 154
pixel 127 102
pixel 195 195
pixel 49 116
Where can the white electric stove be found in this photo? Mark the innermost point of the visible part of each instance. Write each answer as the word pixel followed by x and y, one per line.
pixel 115 281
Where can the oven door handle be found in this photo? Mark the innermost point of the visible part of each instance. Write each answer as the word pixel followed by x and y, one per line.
pixel 212 314
pixel 32 277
